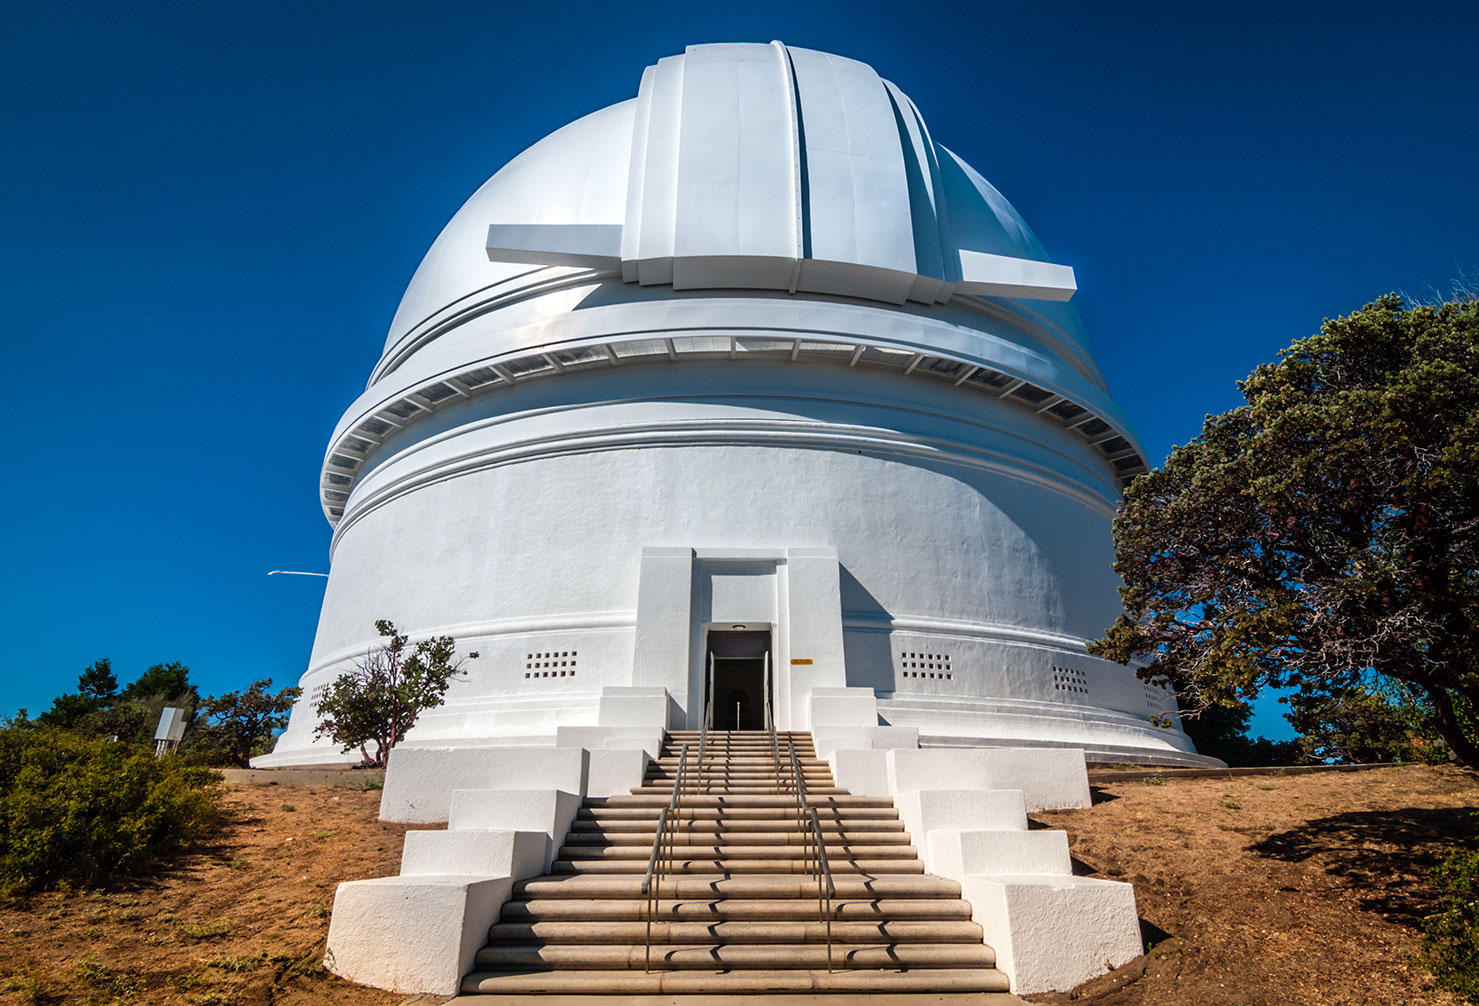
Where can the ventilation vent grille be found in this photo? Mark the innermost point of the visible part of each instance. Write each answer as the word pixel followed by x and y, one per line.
pixel 926 665
pixel 1070 679
pixel 1158 699
pixel 551 664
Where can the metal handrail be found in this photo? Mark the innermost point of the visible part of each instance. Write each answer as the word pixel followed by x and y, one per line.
pixel 775 748
pixel 803 806
pixel 824 884
pixel 703 727
pixel 816 855
pixel 662 842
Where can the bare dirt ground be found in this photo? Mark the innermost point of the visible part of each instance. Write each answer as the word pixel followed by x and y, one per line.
pixel 1260 890
pixel 240 919
pixel 1271 890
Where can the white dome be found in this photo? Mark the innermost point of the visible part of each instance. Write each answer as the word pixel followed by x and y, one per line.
pixel 739 166
pixel 740 171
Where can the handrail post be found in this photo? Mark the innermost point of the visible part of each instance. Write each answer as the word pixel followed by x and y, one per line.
pixel 703 729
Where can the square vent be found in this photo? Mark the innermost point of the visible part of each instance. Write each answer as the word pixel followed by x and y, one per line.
pixel 550 664
pixel 926 665
pixel 1070 680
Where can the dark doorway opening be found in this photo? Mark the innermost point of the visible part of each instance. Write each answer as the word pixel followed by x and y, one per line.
pixel 739 658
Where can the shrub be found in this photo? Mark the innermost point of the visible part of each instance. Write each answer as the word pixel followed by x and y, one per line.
pixel 1451 937
pixel 235 726
pixel 76 810
pixel 388 689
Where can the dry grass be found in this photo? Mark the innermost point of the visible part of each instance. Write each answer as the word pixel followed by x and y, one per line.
pixel 1260 890
pixel 240 919
pixel 1270 890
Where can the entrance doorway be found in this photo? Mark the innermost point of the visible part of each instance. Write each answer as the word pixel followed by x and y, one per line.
pixel 740 657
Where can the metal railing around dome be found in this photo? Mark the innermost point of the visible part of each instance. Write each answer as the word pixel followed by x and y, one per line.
pixel 364 434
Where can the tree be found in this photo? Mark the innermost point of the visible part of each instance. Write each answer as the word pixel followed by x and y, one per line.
pixel 97 689
pixel 98 684
pixel 1222 732
pixel 170 682
pixel 1375 722
pixel 99 709
pixel 1323 532
pixel 232 727
pixel 387 690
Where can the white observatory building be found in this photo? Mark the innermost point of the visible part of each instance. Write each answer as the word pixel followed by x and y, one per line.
pixel 738 418
pixel 749 371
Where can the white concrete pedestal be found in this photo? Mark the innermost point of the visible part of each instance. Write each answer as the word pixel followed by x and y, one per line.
pixel 412 934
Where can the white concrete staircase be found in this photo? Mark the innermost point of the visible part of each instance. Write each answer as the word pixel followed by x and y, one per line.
pixel 739 913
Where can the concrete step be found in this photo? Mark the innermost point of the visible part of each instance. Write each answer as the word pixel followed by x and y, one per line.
pixel 738 736
pixel 872 910
pixel 758 753
pixel 840 851
pixel 738 750
pixel 736 826
pixel 649 810
pixel 707 778
pixel 770 957
pixel 741 778
pixel 737 764
pixel 841 799
pixel 722 738
pixel 592 932
pixel 814 793
pixel 717 782
pixel 688 835
pixel 739 761
pixel 738 913
pixel 711 982
pixel 696 865
pixel 717 886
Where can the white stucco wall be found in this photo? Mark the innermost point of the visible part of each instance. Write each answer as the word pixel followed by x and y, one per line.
pixel 964 527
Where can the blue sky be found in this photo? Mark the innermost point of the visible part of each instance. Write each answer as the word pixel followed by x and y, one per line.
pixel 210 212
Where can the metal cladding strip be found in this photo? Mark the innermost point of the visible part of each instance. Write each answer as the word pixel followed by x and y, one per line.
pixel 636 178
pixel 793 115
pixel 929 260
pixel 736 164
pixel 659 180
pixel 860 207
pixel 933 247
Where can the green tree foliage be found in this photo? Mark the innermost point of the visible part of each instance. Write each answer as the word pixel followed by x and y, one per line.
pixel 1450 945
pixel 230 728
pixel 99 709
pixel 97 689
pixel 170 682
pixel 1222 732
pixel 381 698
pixel 1326 530
pixel 1377 722
pixel 79 810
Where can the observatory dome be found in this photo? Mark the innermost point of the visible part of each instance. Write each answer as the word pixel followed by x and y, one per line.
pixel 747 367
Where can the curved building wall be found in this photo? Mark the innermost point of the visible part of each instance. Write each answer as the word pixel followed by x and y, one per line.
pixel 968 528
